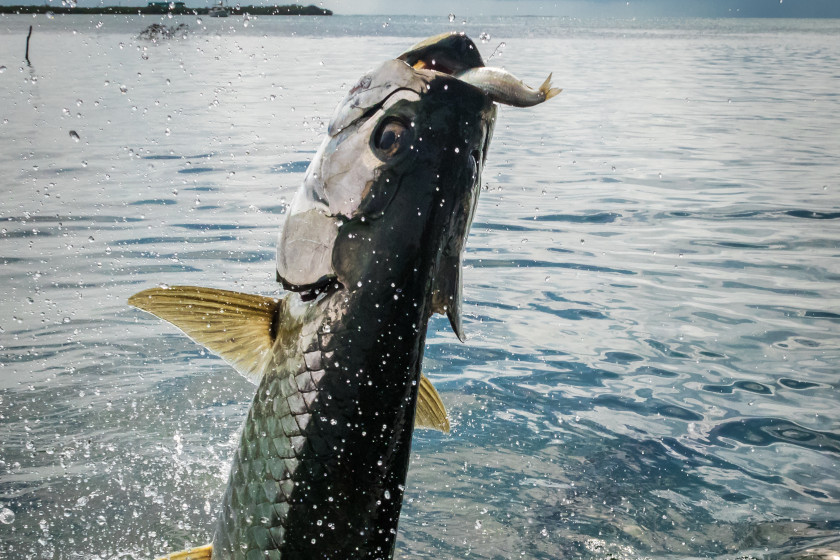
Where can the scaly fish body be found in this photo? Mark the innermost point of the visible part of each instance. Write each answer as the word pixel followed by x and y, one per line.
pixel 320 469
pixel 371 247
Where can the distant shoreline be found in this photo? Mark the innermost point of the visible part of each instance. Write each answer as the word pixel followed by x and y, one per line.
pixel 289 10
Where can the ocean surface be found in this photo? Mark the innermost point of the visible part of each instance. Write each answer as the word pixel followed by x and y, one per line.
pixel 652 286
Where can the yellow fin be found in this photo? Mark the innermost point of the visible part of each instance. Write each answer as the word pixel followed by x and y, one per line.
pixel 236 326
pixel 430 410
pixel 201 553
pixel 548 90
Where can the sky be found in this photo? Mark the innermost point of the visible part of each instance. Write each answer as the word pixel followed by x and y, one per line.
pixel 576 8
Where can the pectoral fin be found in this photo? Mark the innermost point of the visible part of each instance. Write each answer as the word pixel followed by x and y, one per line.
pixel 201 553
pixel 238 327
pixel 446 295
pixel 430 410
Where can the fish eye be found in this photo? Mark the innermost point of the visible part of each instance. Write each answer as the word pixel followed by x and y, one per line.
pixel 391 138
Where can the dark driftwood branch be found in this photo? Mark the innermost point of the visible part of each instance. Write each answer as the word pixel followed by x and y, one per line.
pixel 27 46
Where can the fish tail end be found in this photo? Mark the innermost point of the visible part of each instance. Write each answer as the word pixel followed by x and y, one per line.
pixel 547 90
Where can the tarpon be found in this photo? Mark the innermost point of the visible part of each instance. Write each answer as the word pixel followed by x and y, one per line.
pixel 370 248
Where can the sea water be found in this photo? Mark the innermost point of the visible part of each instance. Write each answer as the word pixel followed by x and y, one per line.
pixel 652 284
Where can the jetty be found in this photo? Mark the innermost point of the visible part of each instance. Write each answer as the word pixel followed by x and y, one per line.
pixel 175 8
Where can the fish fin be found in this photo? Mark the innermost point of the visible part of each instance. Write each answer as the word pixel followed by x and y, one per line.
pixel 238 327
pixel 547 90
pixel 201 553
pixel 430 410
pixel 446 296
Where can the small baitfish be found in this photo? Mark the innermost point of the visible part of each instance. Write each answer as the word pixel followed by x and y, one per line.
pixel 371 247
pixel 504 87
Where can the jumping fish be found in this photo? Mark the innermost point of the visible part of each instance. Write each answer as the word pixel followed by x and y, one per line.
pixel 370 248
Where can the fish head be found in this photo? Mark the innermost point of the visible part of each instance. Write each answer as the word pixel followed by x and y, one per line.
pixel 396 181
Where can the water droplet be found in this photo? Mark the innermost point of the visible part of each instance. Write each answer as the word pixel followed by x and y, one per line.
pixel 387 495
pixel 478 524
pixel 484 36
pixel 74 135
pixel 124 89
pixel 7 516
pixel 451 18
pixel 2 69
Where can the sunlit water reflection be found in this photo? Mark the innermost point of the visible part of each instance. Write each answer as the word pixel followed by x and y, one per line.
pixel 652 293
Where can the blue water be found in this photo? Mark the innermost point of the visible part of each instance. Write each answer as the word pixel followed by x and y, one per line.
pixel 652 284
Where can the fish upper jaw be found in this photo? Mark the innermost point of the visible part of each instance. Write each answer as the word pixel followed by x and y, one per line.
pixel 448 53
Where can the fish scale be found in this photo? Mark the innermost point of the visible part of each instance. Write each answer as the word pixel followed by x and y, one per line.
pixel 281 429
pixel 268 451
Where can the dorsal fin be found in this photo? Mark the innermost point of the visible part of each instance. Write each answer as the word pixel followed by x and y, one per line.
pixel 430 410
pixel 236 326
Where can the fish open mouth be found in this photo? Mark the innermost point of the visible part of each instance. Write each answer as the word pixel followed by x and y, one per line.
pixel 447 53
pixel 455 54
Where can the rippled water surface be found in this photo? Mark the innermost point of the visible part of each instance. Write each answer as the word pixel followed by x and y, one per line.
pixel 652 284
